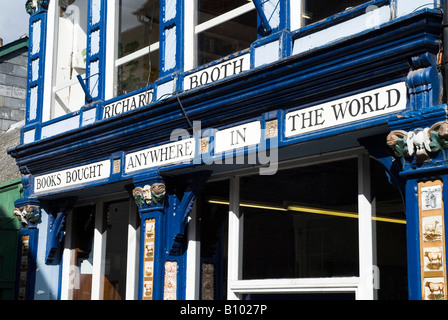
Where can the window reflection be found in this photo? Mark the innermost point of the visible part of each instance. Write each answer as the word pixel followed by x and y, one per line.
pixel 81 269
pixel 227 37
pixel 117 221
pixel 301 223
pixel 70 57
pixel 315 11
pixel 138 28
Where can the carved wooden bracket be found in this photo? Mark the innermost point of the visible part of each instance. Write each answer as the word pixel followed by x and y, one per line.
pixel 419 142
pixel 148 195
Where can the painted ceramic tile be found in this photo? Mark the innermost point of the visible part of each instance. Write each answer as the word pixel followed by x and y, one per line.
pixel 431 197
pixel 434 288
pixel 432 258
pixel 170 285
pixel 208 281
pixel 432 228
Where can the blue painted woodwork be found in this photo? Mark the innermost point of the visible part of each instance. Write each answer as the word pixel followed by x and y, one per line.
pixel 32 231
pixel 266 28
pixel 36 54
pixel 404 49
pixel 181 198
pixel 56 228
pixel 352 66
pixel 32 257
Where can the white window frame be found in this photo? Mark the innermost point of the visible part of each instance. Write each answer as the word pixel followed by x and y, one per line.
pixel 192 30
pixel 99 251
pixel 361 286
pixel 112 59
pixel 56 87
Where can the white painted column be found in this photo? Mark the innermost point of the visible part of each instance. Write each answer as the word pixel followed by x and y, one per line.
pixel 111 53
pixel 190 37
pixel 133 253
pixel 99 254
pixel 295 14
pixel 193 257
pixel 52 35
pixel 67 275
pixel 365 289
pixel 235 245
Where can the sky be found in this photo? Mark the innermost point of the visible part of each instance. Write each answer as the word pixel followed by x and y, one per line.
pixel 13 20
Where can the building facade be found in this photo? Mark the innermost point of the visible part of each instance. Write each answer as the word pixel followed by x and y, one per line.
pixel 265 149
pixel 13 82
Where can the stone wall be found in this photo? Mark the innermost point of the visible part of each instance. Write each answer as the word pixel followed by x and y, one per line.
pixel 13 80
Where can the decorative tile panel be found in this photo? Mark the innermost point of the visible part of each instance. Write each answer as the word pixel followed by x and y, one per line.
pixel 208 281
pixel 148 260
pixel 25 241
pixel 170 284
pixel 432 241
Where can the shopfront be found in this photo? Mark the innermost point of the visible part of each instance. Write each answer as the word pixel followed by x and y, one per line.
pixel 235 151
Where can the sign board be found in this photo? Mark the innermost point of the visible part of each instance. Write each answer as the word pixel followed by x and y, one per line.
pixel 176 152
pixel 237 137
pixel 217 72
pixel 72 177
pixel 362 106
pixel 127 104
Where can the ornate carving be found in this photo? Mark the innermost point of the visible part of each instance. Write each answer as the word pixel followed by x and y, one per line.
pixel 28 215
pixel 419 142
pixel 148 275
pixel 33 6
pixel 148 195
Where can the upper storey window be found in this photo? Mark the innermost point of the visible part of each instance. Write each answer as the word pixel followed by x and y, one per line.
pixel 317 10
pixel 70 56
pixel 137 63
pixel 224 27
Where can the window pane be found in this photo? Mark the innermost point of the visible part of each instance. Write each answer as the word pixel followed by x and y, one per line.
pixel 301 296
pixel 209 9
pixel 228 37
pixel 117 217
pixel 138 27
pixel 389 232
pixel 301 222
pixel 135 74
pixel 71 55
pixel 82 257
pixel 316 10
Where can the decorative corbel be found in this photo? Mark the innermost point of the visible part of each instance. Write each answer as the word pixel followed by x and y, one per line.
pixel 58 211
pixel 28 215
pixel 33 6
pixel 419 142
pixel 148 195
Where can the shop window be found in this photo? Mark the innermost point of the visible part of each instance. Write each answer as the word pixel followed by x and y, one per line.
pixel 70 57
pixel 315 11
pixel 117 220
pixel 224 27
pixel 103 243
pixel 81 270
pixel 137 64
pixel 389 243
pixel 304 225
